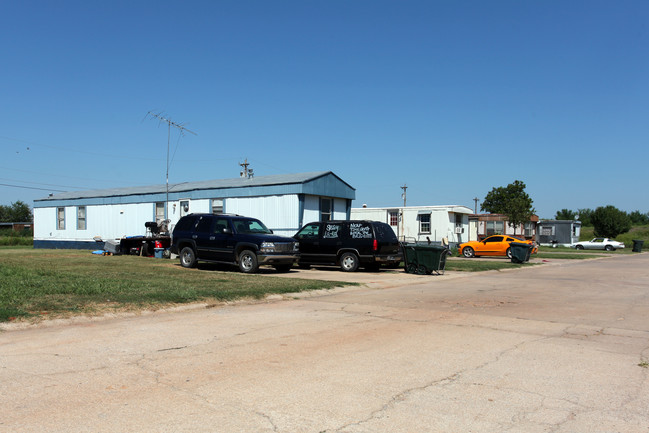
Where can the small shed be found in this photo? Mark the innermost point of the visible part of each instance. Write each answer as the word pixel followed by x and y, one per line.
pixel 421 223
pixel 558 232
pixel 283 202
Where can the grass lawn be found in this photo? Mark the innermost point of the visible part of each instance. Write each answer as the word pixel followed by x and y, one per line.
pixel 472 265
pixel 60 282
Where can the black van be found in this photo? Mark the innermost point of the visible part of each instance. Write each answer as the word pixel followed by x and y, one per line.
pixel 348 244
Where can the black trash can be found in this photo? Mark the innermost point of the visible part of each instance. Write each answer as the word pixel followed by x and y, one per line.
pixel 637 245
pixel 520 252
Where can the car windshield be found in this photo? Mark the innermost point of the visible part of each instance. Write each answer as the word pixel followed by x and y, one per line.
pixel 250 226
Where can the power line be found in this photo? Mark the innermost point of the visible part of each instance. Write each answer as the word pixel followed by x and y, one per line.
pixel 32 187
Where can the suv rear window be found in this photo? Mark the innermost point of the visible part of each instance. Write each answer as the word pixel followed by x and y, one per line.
pixel 384 232
pixel 185 223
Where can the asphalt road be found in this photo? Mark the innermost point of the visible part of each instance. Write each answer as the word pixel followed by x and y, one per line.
pixel 556 348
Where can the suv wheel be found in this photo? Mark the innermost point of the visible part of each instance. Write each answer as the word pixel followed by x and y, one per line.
pixel 187 257
pixel 248 262
pixel 349 262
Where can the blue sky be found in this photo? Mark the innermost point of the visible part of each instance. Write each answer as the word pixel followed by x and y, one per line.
pixel 450 98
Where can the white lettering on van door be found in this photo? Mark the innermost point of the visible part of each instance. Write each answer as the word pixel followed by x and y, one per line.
pixel 331 231
pixel 360 231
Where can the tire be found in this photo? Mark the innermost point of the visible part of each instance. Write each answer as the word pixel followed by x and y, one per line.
pixel 580 247
pixel 609 248
pixel 248 262
pixel 508 253
pixel 188 257
pixel 411 268
pixel 349 262
pixel 468 252
pixel 283 268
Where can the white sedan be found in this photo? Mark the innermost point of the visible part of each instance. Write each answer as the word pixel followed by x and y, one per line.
pixel 599 244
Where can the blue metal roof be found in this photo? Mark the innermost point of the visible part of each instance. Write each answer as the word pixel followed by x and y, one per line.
pixel 317 183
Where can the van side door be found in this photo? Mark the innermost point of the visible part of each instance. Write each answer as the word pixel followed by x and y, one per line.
pixel 331 240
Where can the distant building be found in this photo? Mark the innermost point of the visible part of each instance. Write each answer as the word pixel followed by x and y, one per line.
pixel 421 223
pixel 17 227
pixel 483 225
pixel 283 202
pixel 558 232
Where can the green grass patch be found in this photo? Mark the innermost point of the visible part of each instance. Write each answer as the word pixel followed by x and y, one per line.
pixel 58 282
pixel 9 237
pixel 471 265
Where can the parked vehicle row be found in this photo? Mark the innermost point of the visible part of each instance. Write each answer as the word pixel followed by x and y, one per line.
pixel 248 243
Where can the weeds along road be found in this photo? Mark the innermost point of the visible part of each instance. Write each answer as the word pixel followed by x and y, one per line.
pixel 561 348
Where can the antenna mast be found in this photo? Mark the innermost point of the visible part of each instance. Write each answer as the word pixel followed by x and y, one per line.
pixel 181 129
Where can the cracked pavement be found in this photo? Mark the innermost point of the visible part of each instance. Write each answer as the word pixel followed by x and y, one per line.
pixel 556 348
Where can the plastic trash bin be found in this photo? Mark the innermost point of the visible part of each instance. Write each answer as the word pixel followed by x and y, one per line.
pixel 637 245
pixel 520 252
pixel 424 259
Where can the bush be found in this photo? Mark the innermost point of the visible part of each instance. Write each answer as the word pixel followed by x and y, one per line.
pixel 609 221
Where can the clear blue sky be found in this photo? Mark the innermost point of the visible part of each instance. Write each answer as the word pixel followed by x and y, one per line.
pixel 450 98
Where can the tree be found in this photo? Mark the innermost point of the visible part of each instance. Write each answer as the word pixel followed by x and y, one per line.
pixel 584 217
pixel 639 218
pixel 565 214
pixel 18 212
pixel 511 200
pixel 609 221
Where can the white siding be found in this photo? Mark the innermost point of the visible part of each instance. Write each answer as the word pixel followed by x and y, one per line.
pixel 340 209
pixel 106 221
pixel 311 209
pixel 442 222
pixel 279 212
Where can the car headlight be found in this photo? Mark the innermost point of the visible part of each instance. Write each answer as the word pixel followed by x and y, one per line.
pixel 267 247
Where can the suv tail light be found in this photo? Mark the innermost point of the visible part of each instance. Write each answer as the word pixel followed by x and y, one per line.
pixel 375 245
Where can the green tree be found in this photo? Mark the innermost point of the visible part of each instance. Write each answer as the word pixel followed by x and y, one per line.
pixel 609 221
pixel 639 218
pixel 584 217
pixel 511 200
pixel 18 212
pixel 565 214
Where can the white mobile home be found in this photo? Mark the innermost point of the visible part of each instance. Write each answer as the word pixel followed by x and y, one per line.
pixel 421 223
pixel 283 202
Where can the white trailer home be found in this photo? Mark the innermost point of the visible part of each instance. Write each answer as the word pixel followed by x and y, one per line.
pixel 283 202
pixel 421 223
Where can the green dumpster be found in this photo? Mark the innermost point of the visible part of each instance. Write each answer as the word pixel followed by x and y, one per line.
pixel 637 245
pixel 521 252
pixel 424 259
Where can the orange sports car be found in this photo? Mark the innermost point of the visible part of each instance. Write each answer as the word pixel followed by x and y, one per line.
pixel 497 245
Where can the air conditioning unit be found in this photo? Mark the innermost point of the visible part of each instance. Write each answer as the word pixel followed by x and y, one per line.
pixel 459 230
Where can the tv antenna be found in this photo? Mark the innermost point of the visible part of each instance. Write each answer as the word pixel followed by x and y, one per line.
pixel 181 130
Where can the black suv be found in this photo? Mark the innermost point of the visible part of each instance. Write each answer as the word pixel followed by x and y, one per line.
pixel 348 244
pixel 231 239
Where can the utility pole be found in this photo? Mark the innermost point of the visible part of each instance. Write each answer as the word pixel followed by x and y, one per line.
pixel 181 129
pixel 246 173
pixel 476 205
pixel 403 210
